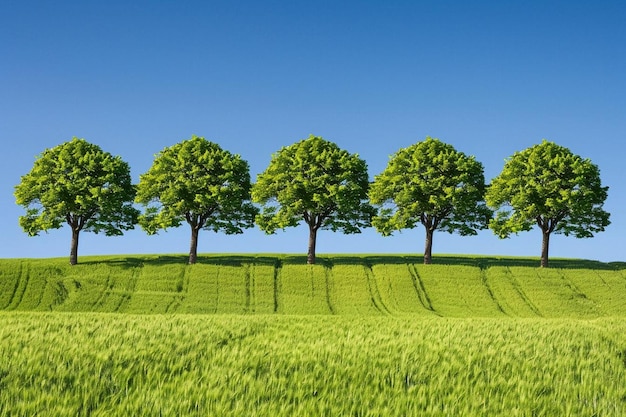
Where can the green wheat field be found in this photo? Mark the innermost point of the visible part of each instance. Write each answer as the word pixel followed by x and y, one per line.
pixel 268 335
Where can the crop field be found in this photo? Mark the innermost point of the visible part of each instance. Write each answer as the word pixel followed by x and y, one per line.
pixel 354 285
pixel 268 335
pixel 101 364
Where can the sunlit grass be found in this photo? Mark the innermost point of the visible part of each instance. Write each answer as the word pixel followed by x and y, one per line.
pixel 117 365
pixel 455 286
pixel 268 335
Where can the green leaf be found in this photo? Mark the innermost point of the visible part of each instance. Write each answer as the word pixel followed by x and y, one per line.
pixel 197 182
pixel 432 184
pixel 316 182
pixel 548 186
pixel 78 184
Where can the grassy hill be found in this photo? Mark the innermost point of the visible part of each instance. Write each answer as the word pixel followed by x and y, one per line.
pixel 455 286
pixel 362 335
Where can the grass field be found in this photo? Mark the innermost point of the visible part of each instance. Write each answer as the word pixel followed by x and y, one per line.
pixel 355 285
pixel 96 364
pixel 269 335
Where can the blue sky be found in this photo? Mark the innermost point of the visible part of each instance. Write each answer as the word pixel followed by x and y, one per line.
pixel 488 77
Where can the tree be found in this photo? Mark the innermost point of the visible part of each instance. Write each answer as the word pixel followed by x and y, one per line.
pixel 315 181
pixel 197 182
pixel 433 184
pixel 548 186
pixel 79 184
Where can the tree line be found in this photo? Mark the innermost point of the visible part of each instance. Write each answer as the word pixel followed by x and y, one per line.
pixel 315 182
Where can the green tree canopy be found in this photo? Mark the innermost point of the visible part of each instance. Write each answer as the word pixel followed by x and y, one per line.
pixel 198 182
pixel 78 184
pixel 433 184
pixel 315 181
pixel 548 186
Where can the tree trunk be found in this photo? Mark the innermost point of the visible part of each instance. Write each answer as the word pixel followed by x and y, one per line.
pixel 545 244
pixel 312 239
pixel 193 247
pixel 428 250
pixel 74 246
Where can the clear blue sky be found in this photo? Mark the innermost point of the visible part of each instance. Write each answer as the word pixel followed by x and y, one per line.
pixel 488 77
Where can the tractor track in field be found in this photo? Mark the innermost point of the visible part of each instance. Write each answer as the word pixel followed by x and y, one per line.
pixel 329 278
pixel 42 292
pixel 278 267
pixel 127 294
pixel 569 284
pixel 520 292
pixel 217 289
pixel 420 289
pixel 337 286
pixel 104 294
pixel 249 286
pixel 181 289
pixel 18 281
pixel 21 288
pixel 374 291
pixel 485 281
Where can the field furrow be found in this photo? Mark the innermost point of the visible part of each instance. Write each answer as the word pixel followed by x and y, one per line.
pixel 20 288
pixel 203 290
pixel 376 298
pixel 125 287
pixel 485 279
pixel 303 289
pixel 350 291
pixel 550 293
pixel 508 293
pixel 354 285
pixel 397 290
pixel 103 294
pixel 278 267
pixel 249 286
pixel 232 290
pixel 604 288
pixel 330 287
pixel 259 287
pixel 34 287
pixel 457 291
pixel 10 280
pixel 174 305
pixel 418 284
